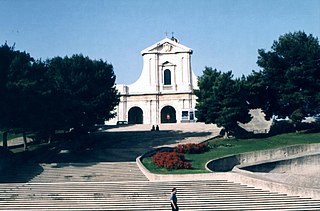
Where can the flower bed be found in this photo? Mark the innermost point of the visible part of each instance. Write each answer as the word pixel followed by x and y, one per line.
pixel 191 148
pixel 171 160
pixel 176 158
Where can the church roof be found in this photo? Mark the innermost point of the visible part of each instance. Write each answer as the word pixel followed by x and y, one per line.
pixel 167 45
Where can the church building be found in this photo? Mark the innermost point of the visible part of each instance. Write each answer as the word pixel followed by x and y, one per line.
pixel 164 91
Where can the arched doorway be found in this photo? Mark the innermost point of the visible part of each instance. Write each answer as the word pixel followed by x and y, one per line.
pixel 135 115
pixel 168 115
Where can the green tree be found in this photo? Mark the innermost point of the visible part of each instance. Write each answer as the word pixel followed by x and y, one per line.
pixel 221 100
pixel 23 94
pixel 7 54
pixel 14 89
pixel 60 93
pixel 258 93
pixel 83 91
pixel 291 76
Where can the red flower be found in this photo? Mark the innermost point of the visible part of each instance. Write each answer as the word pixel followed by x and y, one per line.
pixel 170 160
pixel 191 148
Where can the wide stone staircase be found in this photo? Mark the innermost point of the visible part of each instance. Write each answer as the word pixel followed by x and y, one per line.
pixel 121 186
pixel 106 177
pixel 76 172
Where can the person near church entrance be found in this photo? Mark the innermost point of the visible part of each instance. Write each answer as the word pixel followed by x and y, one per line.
pixel 174 200
pixel 168 117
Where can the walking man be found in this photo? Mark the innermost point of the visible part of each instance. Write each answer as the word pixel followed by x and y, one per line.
pixel 174 200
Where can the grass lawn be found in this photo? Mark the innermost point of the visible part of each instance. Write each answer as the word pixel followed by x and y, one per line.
pixel 224 147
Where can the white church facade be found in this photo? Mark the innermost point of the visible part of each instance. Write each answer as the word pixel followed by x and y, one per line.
pixel 164 91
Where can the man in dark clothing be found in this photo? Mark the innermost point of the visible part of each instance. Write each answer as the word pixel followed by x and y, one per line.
pixel 174 200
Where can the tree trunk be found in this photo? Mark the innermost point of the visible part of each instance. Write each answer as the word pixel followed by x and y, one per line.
pixel 225 135
pixel 51 135
pixel 5 139
pixel 25 146
pixel 295 126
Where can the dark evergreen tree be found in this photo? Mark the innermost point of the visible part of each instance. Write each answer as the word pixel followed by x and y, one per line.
pixel 7 54
pixel 291 76
pixel 83 91
pixel 23 94
pixel 61 93
pixel 221 100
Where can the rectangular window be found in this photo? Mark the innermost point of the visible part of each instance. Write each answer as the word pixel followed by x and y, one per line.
pixel 191 115
pixel 185 115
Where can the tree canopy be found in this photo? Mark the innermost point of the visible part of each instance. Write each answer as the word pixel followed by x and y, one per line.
pixel 290 76
pixel 85 89
pixel 221 100
pixel 56 94
pixel 287 85
pixel 18 79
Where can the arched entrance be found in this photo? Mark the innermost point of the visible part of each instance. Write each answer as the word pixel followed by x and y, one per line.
pixel 135 116
pixel 168 115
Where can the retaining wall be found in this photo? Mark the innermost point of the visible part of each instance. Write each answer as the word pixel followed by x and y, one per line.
pixel 246 177
pixel 297 158
pixel 227 163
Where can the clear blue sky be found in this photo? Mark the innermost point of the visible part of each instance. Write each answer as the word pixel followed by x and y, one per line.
pixel 224 34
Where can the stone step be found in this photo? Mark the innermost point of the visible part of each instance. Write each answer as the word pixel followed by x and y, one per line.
pixel 144 195
pixel 76 172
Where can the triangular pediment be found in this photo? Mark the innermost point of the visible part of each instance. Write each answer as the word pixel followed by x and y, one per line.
pixel 166 64
pixel 166 46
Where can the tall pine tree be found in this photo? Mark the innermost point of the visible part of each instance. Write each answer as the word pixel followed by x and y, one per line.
pixel 221 100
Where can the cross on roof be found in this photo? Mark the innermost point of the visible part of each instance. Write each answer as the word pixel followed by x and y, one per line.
pixel 168 33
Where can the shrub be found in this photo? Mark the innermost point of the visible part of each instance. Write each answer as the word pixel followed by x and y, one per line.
pixel 171 160
pixel 191 148
pixel 280 127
